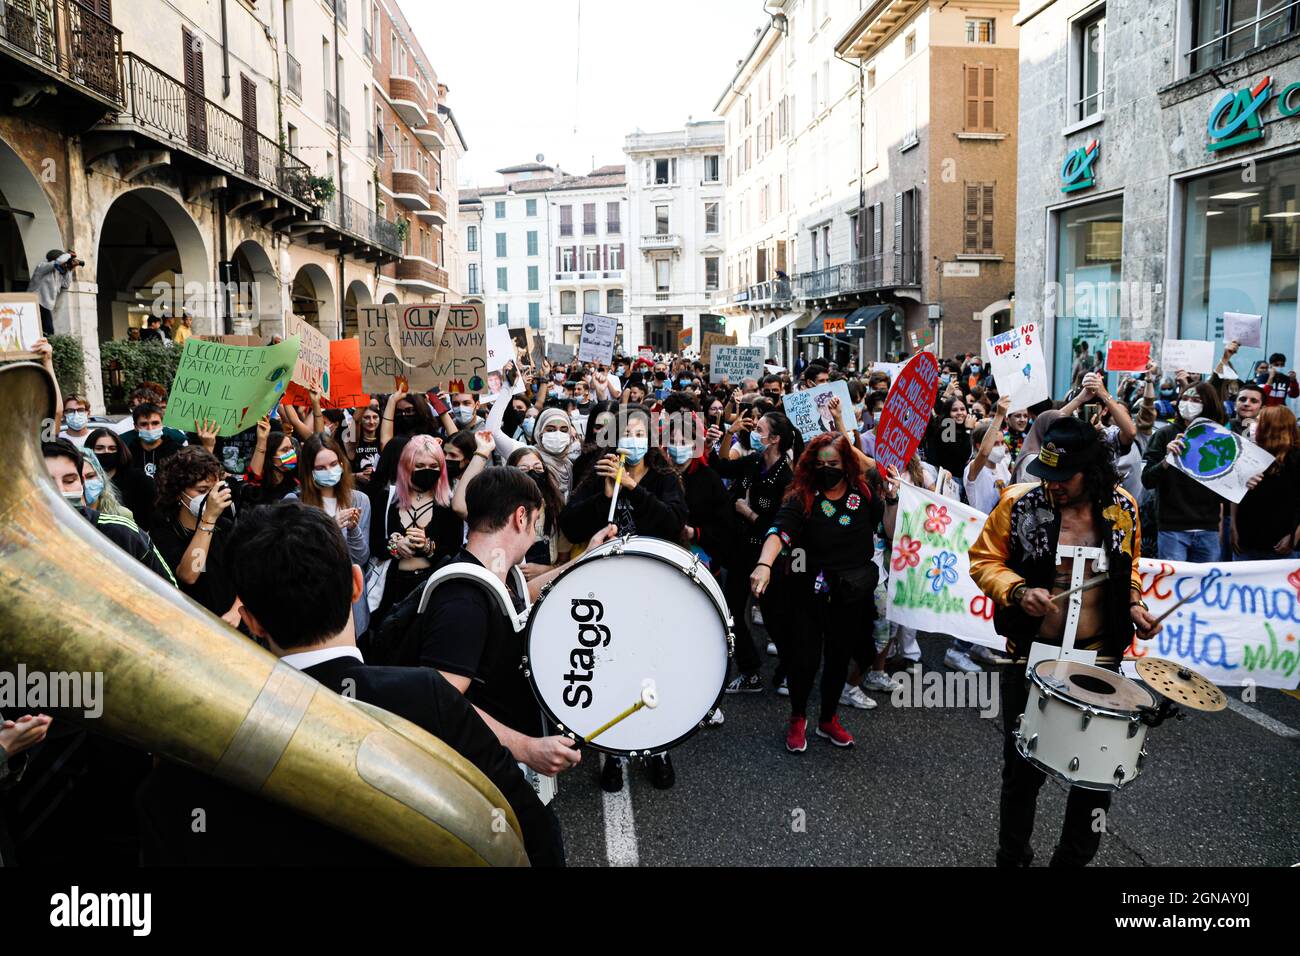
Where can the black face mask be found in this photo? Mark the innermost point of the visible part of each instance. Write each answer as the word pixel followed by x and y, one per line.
pixel 455 469
pixel 828 478
pixel 404 423
pixel 425 479
pixel 110 459
pixel 540 478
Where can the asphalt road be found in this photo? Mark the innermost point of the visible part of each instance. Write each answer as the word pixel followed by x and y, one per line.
pixel 920 788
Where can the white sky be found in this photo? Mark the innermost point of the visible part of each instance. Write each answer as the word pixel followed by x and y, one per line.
pixel 513 70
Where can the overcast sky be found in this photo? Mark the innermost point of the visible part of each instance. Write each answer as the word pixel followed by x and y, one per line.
pixel 525 80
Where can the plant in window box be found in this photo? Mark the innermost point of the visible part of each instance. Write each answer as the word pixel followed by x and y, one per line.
pixel 403 230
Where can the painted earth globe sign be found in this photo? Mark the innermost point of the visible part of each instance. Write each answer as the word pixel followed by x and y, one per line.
pixel 1210 453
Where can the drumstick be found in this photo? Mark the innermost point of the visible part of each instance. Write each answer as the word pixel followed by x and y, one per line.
pixel 618 483
pixel 649 698
pixel 1086 585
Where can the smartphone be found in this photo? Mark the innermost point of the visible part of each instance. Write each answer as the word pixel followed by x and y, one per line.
pixel 1089 412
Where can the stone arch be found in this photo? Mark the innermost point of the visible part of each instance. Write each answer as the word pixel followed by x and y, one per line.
pixel 25 239
pixel 255 303
pixel 313 300
pixel 358 297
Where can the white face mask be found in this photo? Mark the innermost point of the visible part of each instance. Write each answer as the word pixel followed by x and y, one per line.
pixel 555 442
pixel 1190 410
pixel 998 453
pixel 195 505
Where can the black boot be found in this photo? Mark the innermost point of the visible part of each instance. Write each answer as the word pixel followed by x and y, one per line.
pixel 662 774
pixel 611 774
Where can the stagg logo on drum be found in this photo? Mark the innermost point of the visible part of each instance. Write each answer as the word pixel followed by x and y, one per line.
pixel 582 660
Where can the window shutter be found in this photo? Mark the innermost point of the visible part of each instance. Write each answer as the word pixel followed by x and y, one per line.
pixel 559 262
pixel 971 82
pixel 195 108
pixel 879 246
pixel 898 237
pixel 914 245
pixel 248 102
pixel 986 225
pixel 986 98
pixel 971 242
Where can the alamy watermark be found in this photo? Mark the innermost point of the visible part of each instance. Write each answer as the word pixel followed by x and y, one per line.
pixel 979 689
pixel 29 692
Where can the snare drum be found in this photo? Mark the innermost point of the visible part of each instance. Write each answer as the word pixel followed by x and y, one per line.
pixel 630 611
pixel 1082 724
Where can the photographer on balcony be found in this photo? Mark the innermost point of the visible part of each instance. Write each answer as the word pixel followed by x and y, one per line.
pixel 49 279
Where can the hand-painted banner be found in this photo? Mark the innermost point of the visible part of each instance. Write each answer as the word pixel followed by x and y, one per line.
pixel 1241 624
pixel 1019 368
pixel 1220 459
pixel 907 411
pixel 232 385
pixel 1128 356
pixel 930 586
pixel 400 344
pixel 312 369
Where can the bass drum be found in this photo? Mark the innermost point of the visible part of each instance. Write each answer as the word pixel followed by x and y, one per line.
pixel 630 612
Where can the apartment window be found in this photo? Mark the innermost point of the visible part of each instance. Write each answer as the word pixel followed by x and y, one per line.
pixel 871 78
pixel 292 141
pixel 589 219
pixel 502 284
pixel 661 172
pixel 535 314
pixel 616 258
pixel 473 278
pixel 979 219
pixel 503 314
pixel 1090 55
pixel 614 302
pixel 907 237
pixel 979 29
pixel 471 239
pixel 532 242
pixel 591 301
pixel 533 281
pixel 909 44
pixel 613 219
pixel 530 208
pixel 1223 29
pixel 568 303
pixel 711 274
pixel 712 169
pixel 590 258
pixel 855 237
pixel 568 259
pixel 566 220
pixel 978 81
pixel 663 270
pixel 711 218
pixel 499 210
pixel 501 245
pixel 661 220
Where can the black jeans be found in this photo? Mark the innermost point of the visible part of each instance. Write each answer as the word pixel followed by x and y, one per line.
pixel 823 631
pixel 1021 781
pixel 735 588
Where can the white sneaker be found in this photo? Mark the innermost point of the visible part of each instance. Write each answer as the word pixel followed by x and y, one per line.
pixel 757 616
pixel 715 719
pixel 852 696
pixel 881 682
pixel 958 661
pixel 771 649
pixel 783 688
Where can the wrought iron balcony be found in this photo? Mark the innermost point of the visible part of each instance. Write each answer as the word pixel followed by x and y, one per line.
pixel 169 112
pixel 295 75
pixel 861 275
pixel 362 223
pixel 331 110
pixel 65 40
pixel 772 292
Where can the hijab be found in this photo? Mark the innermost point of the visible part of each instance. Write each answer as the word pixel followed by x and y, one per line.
pixel 559 466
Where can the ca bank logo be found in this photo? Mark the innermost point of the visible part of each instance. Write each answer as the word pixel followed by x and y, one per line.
pixel 1077 171
pixel 1235 118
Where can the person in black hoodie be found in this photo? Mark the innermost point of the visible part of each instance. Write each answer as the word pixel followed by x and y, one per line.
pixel 1266 522
pixel 947 438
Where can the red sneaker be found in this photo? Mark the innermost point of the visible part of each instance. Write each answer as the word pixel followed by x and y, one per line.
pixel 796 735
pixel 834 731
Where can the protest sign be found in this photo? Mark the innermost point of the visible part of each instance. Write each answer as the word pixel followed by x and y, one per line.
pixel 312 370
pixel 685 339
pixel 645 353
pixel 907 411
pixel 1018 366
pixel 1220 459
pixel 598 335
pixel 735 363
pixel 1242 327
pixel 889 368
pixel 20 325
pixel 501 383
pixel 232 385
pixel 1241 624
pixel 500 348
pixel 557 353
pixel 529 349
pixel 1128 356
pixel 345 375
pixel 930 587
pixel 400 344
pixel 709 341
pixel 809 410
pixel 1187 355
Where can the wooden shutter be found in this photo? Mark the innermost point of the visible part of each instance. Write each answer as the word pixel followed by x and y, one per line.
pixel 986 98
pixel 914 241
pixel 971 241
pixel 978 94
pixel 248 102
pixel 196 117
pixel 986 219
pixel 898 237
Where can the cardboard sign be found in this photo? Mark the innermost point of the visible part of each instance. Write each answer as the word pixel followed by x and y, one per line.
pixel 1187 355
pixel 921 338
pixel 345 375
pixel 1019 368
pixel 907 411
pixel 20 325
pixel 735 363
pixel 1220 459
pixel 598 335
pixel 685 339
pixel 500 348
pixel 557 353
pixel 529 348
pixel 1127 356
pixel 1243 327
pixel 400 345
pixel 312 369
pixel 711 339
pixel 809 410
pixel 233 385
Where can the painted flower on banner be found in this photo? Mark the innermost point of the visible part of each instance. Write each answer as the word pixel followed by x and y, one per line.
pixel 942 571
pixel 1294 580
pixel 907 554
pixel 937 518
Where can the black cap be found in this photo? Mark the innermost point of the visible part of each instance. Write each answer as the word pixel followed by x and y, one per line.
pixel 1069 445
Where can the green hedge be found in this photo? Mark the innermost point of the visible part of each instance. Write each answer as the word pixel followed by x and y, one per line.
pixel 140 362
pixel 69 364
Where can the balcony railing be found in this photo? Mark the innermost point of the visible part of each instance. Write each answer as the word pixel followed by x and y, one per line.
pixel 356 218
pixel 774 291
pixel 331 110
pixel 68 38
pixel 613 228
pixel 411 157
pixel 172 113
pixel 658 241
pixel 295 75
pixel 859 276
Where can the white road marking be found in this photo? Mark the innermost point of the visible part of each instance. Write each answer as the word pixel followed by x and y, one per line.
pixel 1264 720
pixel 620 829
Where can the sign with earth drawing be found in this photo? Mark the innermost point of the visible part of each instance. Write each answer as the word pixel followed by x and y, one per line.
pixel 1222 461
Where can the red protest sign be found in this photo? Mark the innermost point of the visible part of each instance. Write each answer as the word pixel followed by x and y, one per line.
pixel 907 411
pixel 345 375
pixel 1127 356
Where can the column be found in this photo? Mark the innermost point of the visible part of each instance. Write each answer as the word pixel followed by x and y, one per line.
pixel 76 313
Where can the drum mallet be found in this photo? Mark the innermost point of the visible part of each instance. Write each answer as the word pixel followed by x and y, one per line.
pixel 649 698
pixel 1085 586
pixel 618 483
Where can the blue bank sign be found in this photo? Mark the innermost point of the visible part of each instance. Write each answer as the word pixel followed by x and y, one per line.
pixel 1237 117
pixel 1078 171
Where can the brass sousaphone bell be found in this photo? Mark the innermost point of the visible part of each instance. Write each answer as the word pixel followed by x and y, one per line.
pixel 181 683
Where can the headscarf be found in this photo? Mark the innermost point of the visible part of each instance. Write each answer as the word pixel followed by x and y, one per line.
pixel 559 466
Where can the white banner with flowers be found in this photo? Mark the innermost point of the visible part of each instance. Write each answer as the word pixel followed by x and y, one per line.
pixel 930 586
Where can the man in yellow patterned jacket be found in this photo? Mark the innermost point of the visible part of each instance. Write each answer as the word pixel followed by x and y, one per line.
pixel 1078 502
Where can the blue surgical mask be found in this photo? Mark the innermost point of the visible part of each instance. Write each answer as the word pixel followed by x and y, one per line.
pixel 463 414
pixel 76 421
pixel 634 447
pixel 945 379
pixel 528 426
pixel 94 488
pixel 327 477
pixel 150 435
pixel 756 442
pixel 681 454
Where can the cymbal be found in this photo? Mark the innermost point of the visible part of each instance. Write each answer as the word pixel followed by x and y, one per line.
pixel 1181 684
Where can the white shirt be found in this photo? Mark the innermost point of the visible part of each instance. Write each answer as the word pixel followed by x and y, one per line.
pixel 984 490
pixel 79 442
pixel 304 659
